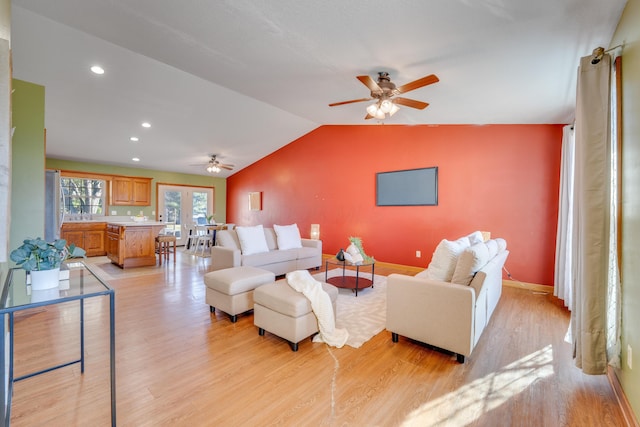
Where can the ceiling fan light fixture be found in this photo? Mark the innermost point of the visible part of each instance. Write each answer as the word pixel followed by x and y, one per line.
pixel 379 114
pixel 372 109
pixel 394 109
pixel 386 106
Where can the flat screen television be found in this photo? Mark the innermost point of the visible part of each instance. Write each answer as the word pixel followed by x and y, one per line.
pixel 412 187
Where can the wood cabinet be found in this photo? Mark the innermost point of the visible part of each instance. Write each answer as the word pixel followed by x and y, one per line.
pixel 130 191
pixel 113 243
pixel 89 236
pixel 132 245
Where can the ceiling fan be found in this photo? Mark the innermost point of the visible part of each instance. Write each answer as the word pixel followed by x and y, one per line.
pixel 385 92
pixel 214 165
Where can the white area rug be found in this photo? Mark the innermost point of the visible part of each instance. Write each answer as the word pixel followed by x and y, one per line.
pixel 363 316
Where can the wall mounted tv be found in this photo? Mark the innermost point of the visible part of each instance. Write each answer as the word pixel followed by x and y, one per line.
pixel 413 187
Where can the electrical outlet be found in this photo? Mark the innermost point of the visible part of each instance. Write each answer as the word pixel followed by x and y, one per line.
pixel 128 212
pixel 418 254
pixel 114 212
pixel 153 212
pixel 629 356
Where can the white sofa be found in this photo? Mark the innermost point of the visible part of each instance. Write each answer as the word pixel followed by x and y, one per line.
pixel 232 251
pixel 449 304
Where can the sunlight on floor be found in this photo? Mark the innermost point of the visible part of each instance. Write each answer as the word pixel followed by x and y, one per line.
pixel 473 400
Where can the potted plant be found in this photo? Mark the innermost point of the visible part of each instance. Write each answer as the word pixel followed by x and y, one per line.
pixel 43 259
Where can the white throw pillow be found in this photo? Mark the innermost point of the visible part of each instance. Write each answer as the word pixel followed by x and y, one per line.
pixel 502 244
pixel 288 236
pixel 475 237
pixel 252 240
pixel 492 245
pixel 445 257
pixel 469 262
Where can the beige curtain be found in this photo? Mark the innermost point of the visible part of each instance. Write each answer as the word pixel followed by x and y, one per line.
pixel 592 195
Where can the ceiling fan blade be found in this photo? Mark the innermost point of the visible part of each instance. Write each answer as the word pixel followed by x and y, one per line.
pixel 410 103
pixel 430 79
pixel 228 167
pixel 370 83
pixel 349 102
pixel 368 116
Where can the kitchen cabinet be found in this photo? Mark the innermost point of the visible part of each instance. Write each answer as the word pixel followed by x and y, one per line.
pixel 89 236
pixel 130 191
pixel 133 244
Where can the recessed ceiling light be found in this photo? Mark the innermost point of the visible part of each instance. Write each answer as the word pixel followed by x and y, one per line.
pixel 135 159
pixel 146 125
pixel 134 139
pixel 97 69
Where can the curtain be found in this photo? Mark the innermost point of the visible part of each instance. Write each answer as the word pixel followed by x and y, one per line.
pixel 591 243
pixel 563 276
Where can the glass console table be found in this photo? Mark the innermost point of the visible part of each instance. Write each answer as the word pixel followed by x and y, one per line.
pixel 17 295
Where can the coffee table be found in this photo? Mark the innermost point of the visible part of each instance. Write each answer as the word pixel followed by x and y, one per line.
pixel 350 282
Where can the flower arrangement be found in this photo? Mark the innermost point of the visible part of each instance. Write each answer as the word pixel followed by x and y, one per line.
pixel 38 255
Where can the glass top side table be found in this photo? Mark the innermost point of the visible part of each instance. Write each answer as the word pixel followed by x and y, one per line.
pixel 17 295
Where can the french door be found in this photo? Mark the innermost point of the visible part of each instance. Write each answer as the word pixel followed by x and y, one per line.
pixel 182 206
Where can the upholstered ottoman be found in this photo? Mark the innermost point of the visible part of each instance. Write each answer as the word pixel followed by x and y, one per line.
pixel 284 312
pixel 231 289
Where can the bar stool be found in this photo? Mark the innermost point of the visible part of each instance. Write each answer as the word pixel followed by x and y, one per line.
pixel 163 247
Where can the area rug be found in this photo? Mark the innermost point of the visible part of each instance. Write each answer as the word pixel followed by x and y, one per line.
pixel 363 316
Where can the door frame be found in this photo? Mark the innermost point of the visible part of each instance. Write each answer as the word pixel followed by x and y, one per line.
pixel 184 220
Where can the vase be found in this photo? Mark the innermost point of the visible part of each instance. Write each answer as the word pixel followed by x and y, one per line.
pixel 40 295
pixel 44 279
pixel 340 255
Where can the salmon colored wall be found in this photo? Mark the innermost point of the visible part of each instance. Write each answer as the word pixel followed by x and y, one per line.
pixel 500 178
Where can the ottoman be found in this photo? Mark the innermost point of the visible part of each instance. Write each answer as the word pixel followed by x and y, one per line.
pixel 231 289
pixel 284 312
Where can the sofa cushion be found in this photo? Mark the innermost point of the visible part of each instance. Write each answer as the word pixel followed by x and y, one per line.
pixel 307 252
pixel 288 236
pixel 227 239
pixel 469 262
pixel 269 257
pixel 252 240
pixel 270 236
pixel 445 257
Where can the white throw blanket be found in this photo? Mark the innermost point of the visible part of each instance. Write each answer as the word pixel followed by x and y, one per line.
pixel 303 282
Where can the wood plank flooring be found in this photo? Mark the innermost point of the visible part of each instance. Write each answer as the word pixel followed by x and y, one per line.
pixel 180 365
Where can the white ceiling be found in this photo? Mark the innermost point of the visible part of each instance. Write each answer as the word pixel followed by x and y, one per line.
pixel 242 78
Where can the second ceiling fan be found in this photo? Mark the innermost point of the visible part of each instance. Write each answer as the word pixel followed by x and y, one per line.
pixel 386 93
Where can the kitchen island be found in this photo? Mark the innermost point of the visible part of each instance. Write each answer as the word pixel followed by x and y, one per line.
pixel 133 243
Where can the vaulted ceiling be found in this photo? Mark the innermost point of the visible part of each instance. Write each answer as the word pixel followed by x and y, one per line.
pixel 242 78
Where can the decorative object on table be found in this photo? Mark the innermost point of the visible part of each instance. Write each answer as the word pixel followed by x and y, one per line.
pixel 340 255
pixel 356 243
pixel 43 259
pixel 353 255
pixel 210 219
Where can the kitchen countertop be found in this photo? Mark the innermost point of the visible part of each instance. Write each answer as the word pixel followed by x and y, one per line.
pixel 136 223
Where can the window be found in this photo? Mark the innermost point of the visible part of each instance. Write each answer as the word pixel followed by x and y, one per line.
pixel 83 195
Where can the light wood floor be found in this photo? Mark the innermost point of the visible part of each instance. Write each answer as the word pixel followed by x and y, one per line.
pixel 179 365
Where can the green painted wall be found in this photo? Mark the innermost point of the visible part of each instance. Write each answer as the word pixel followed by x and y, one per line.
pixel 628 34
pixel 220 184
pixel 27 164
pixel 5 146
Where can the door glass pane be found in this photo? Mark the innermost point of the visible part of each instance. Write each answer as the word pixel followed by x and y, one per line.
pixel 199 208
pixel 172 210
